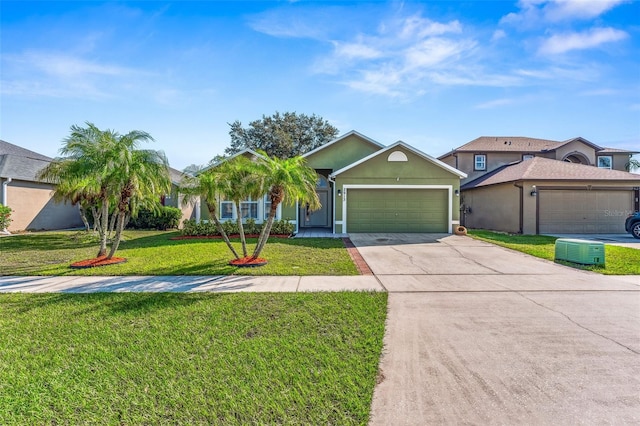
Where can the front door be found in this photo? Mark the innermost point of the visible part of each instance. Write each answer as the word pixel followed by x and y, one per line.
pixel 318 218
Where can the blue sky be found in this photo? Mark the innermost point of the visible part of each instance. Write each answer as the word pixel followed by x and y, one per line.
pixel 433 74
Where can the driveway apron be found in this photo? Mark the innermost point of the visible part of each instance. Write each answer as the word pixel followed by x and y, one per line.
pixel 478 334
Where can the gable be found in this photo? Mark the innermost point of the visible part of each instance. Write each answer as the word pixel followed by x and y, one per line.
pixel 399 161
pixel 343 151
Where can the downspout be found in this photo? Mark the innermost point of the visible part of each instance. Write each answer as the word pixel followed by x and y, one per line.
pixel 331 179
pixel 4 197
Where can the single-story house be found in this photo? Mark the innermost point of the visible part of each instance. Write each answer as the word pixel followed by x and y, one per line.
pixel 175 199
pixel 545 196
pixel 364 186
pixel 31 199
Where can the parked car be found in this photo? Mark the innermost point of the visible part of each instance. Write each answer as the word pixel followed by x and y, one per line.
pixel 632 225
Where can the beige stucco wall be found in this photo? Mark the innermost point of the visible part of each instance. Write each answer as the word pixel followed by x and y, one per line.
pixel 495 207
pixel 33 208
pixel 579 147
pixel 494 160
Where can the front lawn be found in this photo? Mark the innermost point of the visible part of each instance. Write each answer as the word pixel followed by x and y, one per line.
pixel 177 358
pixel 155 253
pixel 618 260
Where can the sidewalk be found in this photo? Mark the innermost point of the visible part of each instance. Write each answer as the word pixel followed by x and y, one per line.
pixel 82 284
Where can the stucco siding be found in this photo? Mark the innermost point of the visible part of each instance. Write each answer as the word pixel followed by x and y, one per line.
pixel 496 208
pixel 34 209
pixel 342 153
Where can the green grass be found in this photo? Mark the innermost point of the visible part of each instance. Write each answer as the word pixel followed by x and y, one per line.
pixel 154 253
pixel 618 260
pixel 232 359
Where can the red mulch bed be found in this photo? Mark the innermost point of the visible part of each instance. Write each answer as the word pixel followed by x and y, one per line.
pixel 217 237
pixel 248 261
pixel 98 261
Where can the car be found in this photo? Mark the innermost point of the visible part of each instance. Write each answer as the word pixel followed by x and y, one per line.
pixel 632 225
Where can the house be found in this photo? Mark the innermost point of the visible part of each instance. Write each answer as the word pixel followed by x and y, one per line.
pixel 537 186
pixel 364 186
pixel 30 198
pixel 175 199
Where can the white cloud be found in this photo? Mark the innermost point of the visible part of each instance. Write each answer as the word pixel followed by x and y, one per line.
pixel 562 43
pixel 498 35
pixel 560 10
pixel 532 12
pixel 495 103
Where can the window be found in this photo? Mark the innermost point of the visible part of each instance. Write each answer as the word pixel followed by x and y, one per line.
pixel 267 206
pixel 249 209
pixel 527 156
pixel 605 162
pixel 226 210
pixel 480 162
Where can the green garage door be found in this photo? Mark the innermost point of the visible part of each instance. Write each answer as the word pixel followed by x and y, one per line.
pixel 397 210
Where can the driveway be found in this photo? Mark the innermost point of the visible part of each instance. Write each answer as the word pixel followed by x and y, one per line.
pixel 480 334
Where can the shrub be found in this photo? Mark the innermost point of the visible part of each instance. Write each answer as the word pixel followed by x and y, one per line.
pixel 282 227
pixel 250 227
pixel 5 217
pixel 166 218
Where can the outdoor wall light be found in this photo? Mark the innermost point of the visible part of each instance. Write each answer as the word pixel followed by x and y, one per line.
pixel 534 192
pixel 339 192
pixel 457 192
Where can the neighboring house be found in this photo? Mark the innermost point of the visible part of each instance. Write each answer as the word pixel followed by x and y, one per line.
pixel 487 153
pixel 30 198
pixel 535 186
pixel 364 186
pixel 174 199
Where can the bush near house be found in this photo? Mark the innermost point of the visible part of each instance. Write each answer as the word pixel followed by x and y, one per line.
pixel 166 218
pixel 5 216
pixel 202 229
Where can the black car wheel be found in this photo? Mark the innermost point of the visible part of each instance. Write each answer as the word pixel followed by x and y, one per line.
pixel 635 230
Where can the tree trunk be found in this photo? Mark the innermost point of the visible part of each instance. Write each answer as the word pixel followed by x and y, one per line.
pixel 116 240
pixel 266 230
pixel 112 223
pixel 96 219
pixel 225 237
pixel 83 216
pixel 104 228
pixel 243 240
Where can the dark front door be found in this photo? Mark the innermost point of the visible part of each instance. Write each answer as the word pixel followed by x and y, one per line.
pixel 318 218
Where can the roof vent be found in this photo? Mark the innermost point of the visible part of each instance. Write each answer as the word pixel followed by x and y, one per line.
pixel 397 156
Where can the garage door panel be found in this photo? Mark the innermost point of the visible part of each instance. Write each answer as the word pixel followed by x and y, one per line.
pixel 583 212
pixel 397 210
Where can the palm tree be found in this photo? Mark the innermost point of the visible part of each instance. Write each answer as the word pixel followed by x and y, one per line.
pixel 104 167
pixel 205 184
pixel 286 181
pixel 240 179
pixel 142 175
pixel 632 165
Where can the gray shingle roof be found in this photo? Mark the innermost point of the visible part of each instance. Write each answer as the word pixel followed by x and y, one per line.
pixel 20 163
pixel 540 168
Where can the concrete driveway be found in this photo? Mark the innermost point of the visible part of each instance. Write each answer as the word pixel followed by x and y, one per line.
pixel 478 334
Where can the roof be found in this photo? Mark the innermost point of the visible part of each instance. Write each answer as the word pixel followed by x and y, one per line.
pixel 20 163
pixel 339 138
pixel 540 168
pixel 11 149
pixel 409 148
pixel 243 152
pixel 525 145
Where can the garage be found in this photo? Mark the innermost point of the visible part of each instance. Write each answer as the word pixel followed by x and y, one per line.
pixel 397 210
pixel 580 211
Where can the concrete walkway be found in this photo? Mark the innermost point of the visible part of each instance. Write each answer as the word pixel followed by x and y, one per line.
pixel 228 284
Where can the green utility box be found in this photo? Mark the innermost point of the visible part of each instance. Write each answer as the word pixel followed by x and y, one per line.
pixel 580 251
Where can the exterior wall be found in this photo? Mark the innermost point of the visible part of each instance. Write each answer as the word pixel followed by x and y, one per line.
pixel 34 209
pixel 577 146
pixel 341 153
pixel 494 160
pixel 620 161
pixel 176 200
pixel 379 171
pixel 495 207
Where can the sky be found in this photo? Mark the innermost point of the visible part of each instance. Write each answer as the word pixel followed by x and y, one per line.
pixel 434 74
